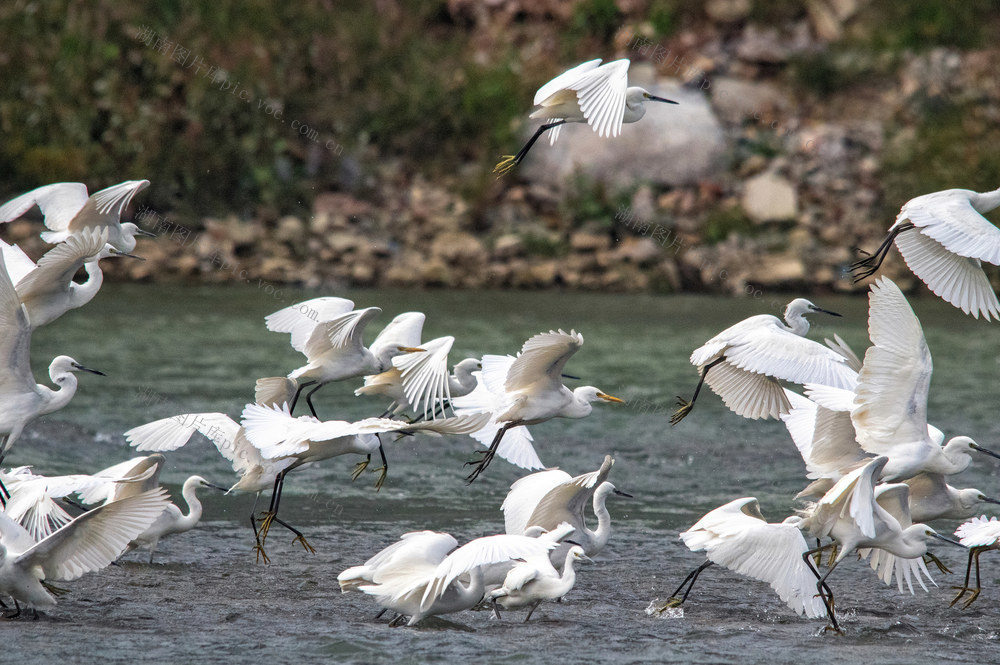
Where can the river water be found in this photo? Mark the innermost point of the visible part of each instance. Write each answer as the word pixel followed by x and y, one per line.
pixel 171 349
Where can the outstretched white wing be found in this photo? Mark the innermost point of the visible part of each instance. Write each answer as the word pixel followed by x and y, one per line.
pixel 301 318
pixel 59 203
pixel 424 376
pixel 542 359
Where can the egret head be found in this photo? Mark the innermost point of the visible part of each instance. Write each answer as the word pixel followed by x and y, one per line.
pixel 577 554
pixel 636 95
pixel 62 366
pixel 801 306
pixel 928 532
pixel 961 446
pixel 468 366
pixel 970 498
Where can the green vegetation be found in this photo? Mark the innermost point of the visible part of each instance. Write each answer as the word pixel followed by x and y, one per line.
pixel 919 25
pixel 721 222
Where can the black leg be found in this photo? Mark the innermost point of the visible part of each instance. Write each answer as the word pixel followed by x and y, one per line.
pixel 674 601
pixel 870 265
pixel 298 391
pixel 481 464
pixel 509 162
pixel 309 395
pixel 685 406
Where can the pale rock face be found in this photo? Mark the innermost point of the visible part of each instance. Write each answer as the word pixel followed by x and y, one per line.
pixel 769 197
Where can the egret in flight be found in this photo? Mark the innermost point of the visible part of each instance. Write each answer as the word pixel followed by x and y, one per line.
pixel 329 333
pixel 944 239
pixel 596 94
pixel 744 363
pixel 68 210
pixel 527 390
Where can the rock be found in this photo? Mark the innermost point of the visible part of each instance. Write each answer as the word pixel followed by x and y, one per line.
pixel 741 102
pixel 763 45
pixel 728 11
pixel 507 246
pixel 779 269
pixel 641 251
pixel 671 145
pixel 768 197
pixel 824 20
pixel 587 242
pixel 458 247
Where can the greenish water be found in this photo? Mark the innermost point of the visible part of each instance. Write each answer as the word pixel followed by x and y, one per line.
pixel 170 350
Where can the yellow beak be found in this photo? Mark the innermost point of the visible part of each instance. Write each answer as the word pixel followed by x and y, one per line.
pixel 609 398
pixel 411 349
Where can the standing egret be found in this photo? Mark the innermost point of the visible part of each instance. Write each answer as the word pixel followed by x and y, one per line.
pixel 424 580
pixel 736 536
pixel 890 403
pixel 536 580
pixel 743 363
pixel 596 94
pixel 48 290
pixel 68 210
pixel 172 520
pixel 86 544
pixel 527 390
pixel 549 498
pixel 420 383
pixel 850 514
pixel 279 435
pixel 949 241
pixel 979 535
pixel 335 349
pixel 21 399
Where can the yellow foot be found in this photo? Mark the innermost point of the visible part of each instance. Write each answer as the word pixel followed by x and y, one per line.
pixel 962 590
pixel 261 554
pixel 505 165
pixel 674 601
pixel 383 472
pixel 930 558
pixel 833 629
pixel 302 540
pixel 359 469
pixel 267 519
pixel 685 408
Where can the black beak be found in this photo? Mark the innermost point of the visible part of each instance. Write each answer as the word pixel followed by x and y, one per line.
pixel 984 450
pixel 216 487
pixel 825 311
pixel 570 376
pixel 621 493
pixel 87 369
pixel 947 540
pixel 131 256
pixel 572 542
pixel 142 232
pixel 654 98
pixel 987 499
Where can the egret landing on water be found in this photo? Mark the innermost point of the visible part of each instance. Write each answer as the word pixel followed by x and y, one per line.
pixel 68 210
pixel 744 363
pixel 596 94
pixel 979 535
pixel 536 580
pixel 944 239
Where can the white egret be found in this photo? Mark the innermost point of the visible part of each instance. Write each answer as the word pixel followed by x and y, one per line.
pixel 851 516
pixel 420 383
pixel 596 94
pixel 536 580
pixel 172 520
pixel 48 290
pixel 979 535
pixel 423 579
pixel 334 347
pixel 34 499
pixel 21 399
pixel 931 498
pixel 279 435
pixel 736 536
pixel 527 390
pixel 944 239
pixel 890 403
pixel 550 498
pixel 86 544
pixel 68 210
pixel 744 363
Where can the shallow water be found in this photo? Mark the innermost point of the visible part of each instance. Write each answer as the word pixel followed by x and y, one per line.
pixel 170 350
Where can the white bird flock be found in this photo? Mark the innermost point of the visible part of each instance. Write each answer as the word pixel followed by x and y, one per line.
pixel 879 471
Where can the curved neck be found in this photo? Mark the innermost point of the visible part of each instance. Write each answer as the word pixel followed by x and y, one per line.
pixel 797 324
pixel 986 201
pixel 190 494
pixel 85 292
pixel 577 408
pixel 57 399
pixel 599 537
pixel 474 591
pixel 568 577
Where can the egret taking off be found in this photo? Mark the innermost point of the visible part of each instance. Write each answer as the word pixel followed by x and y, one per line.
pixel 527 390
pixel 944 239
pixel 743 363
pixel 596 94
pixel 68 210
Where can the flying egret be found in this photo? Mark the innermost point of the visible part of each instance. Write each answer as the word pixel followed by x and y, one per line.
pixel 335 349
pixel 890 403
pixel 86 544
pixel 48 290
pixel 423 579
pixel 979 535
pixel 949 241
pixel 850 514
pixel 526 390
pixel 744 363
pixel 931 498
pixel 21 399
pixel 278 435
pixel 172 520
pixel 420 383
pixel 596 94
pixel 536 580
pixel 736 536
pixel 549 498
pixel 68 210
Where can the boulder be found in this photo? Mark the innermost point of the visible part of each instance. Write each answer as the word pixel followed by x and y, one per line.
pixel 769 197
